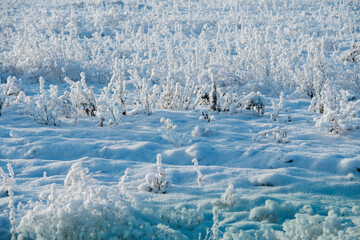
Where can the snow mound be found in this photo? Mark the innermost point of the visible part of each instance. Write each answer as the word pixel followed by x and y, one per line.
pixel 272 179
pixel 199 151
pixel 349 165
pixel 272 212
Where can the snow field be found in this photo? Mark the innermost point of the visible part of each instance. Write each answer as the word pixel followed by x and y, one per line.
pixel 183 119
pixel 272 181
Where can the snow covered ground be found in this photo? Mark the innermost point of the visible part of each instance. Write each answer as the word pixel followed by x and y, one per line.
pixel 294 178
pixel 313 169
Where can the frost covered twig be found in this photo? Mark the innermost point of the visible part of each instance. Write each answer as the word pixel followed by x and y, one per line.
pixel 199 174
pixel 277 108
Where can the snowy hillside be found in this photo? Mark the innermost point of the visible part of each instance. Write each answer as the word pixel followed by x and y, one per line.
pixel 180 119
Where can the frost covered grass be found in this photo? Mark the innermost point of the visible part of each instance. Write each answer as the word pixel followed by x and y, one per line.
pixel 250 108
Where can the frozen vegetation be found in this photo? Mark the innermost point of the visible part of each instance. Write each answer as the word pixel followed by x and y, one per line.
pixel 179 119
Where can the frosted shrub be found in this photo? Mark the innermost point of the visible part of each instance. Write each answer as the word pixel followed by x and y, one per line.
pixel 340 111
pixel 200 177
pixel 82 97
pixel 182 216
pixel 83 211
pixel 202 95
pixel 163 232
pixel 45 109
pixel 272 135
pixel 272 212
pixel 254 101
pixel 168 132
pixel 61 105
pixel 13 86
pixel 108 112
pixel 2 100
pixel 174 95
pixel 229 99
pixel 8 182
pixel 214 232
pixel 167 124
pixel 351 55
pixel 65 107
pixel 111 103
pixel 148 92
pixel 306 226
pixel 213 94
pixel 277 108
pixel 21 98
pixel 265 233
pixel 228 198
pixel 206 116
pixel 313 74
pixel 199 131
pixel 155 182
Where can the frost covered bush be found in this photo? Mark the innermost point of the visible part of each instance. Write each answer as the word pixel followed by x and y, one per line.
pixel 176 95
pixel 272 212
pixel 155 182
pixel 9 184
pixel 202 95
pixel 206 116
pixel 168 132
pixel 2 100
pixel 82 211
pixel 228 198
pixel 199 131
pixel 340 111
pixel 272 135
pixel 254 101
pixel 85 210
pixel 82 97
pixel 213 99
pixel 13 86
pixel 111 103
pixel 306 226
pixel 230 99
pixel 181 216
pixel 147 91
pixel 45 109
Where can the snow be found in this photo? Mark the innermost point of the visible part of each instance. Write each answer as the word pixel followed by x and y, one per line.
pixel 271 180
pixel 154 161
